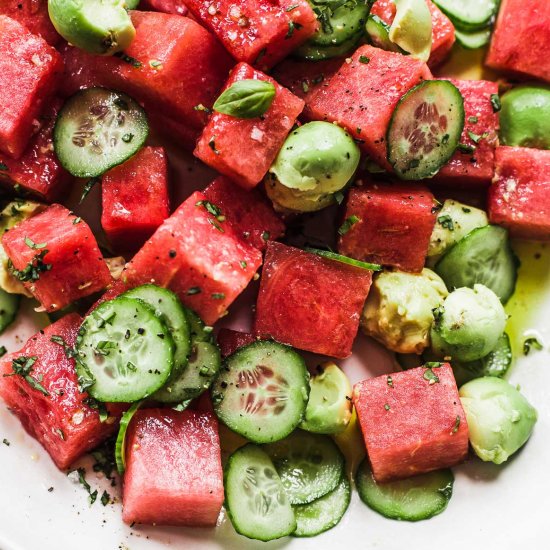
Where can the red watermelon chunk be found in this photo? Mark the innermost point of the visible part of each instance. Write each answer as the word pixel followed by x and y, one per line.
pixel 135 198
pixel 29 74
pixel 38 171
pixel 231 340
pixel 244 149
pixel 411 425
pixel 65 246
pixel 166 6
pixel 480 131
pixel 61 421
pixel 519 198
pixel 310 302
pixel 33 14
pixel 258 32
pixel 172 66
pixel 249 212
pixel 198 257
pixel 389 225
pixel 521 39
pixel 173 469
pixel 443 31
pixel 361 97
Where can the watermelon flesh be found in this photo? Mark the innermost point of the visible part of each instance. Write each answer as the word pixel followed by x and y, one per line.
pixel 135 198
pixel 361 97
pixel 198 257
pixel 443 31
pixel 309 302
pixel 77 266
pixel 521 41
pixel 249 212
pixel 177 7
pixel 29 75
pixel 394 225
pixel 411 426
pixel 474 169
pixel 173 469
pixel 519 198
pixel 225 137
pixel 231 340
pixel 62 421
pixel 38 171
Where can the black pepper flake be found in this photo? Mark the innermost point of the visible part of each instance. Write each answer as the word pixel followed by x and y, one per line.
pixel 172 253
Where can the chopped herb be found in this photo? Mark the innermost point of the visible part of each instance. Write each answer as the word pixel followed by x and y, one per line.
pixel 364 59
pixel 430 375
pixel 477 138
pixel 4 167
pixel 466 210
pixel 6 442
pixel 105 460
pixel 389 381
pixel 70 352
pixel 129 59
pixel 201 107
pixel 97 406
pixel 348 224
pixel 105 498
pixel 194 290
pixel 218 296
pixel 265 236
pixel 23 366
pixel 243 264
pixel 3 351
pixel 445 139
pixel 446 222
pixel 87 188
pixel 82 479
pixel 433 365
pixel 465 148
pixel 292 26
pixel 387 407
pixel 495 103
pixel 247 98
pixel 472 119
pixel 33 269
pixel 34 245
pixel 339 197
pixel 531 343
pixel 216 225
pixel 155 63
pixel 77 221
pixel 457 424
pixel 305 86
pixel 127 138
pixel 211 208
pixel 293 7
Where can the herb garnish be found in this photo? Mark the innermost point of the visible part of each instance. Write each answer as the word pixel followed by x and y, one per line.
pixel 348 224
pixel 364 59
pixel 531 343
pixel 429 374
pixel 4 167
pixel 457 424
pixel 33 269
pixel 136 63
pixel 247 98
pixel 389 381
pixel 465 148
pixel 495 103
pixel 70 352
pixel 218 296
pixel 23 366
pixel 446 222
pixel 82 479
pixel 211 208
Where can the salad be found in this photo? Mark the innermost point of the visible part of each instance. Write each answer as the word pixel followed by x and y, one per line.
pixel 330 114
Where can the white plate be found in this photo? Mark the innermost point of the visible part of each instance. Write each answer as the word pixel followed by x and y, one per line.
pixel 492 507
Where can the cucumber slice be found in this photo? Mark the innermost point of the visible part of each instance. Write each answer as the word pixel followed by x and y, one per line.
pixel 473 40
pixel 124 351
pixel 344 259
pixel 98 129
pixel 339 21
pixel 9 306
pixel 485 257
pixel 312 52
pixel 309 465
pixel 120 445
pixel 412 499
pixel 378 33
pixel 199 331
pixel 254 496
pixel 324 513
pixel 203 366
pixel 469 15
pixel 262 391
pixel 425 129
pixel 168 307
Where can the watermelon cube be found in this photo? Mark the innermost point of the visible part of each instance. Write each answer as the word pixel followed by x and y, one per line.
pixel 412 422
pixel 177 7
pixel 258 32
pixel 59 417
pixel 361 96
pixel 56 257
pixel 519 198
pixel 476 168
pixel 32 14
pixel 249 212
pixel 172 66
pixel 309 302
pixel 231 340
pixel 521 40
pixel 37 171
pixel 443 31
pixel 135 198
pixel 389 225
pixel 226 138
pixel 29 75
pixel 173 469
pixel 199 257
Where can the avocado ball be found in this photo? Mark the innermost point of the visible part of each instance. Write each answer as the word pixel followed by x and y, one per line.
pixel 411 28
pixel 525 116
pixel 100 27
pixel 468 324
pixel 316 160
pixel 500 419
pixel 398 310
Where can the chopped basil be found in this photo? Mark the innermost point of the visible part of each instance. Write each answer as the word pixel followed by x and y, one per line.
pixel 34 245
pixel 348 224
pixel 243 264
pixel 82 479
pixel 364 59
pixel 69 350
pixel 430 375
pixel 265 236
pixel 477 138
pixel 472 119
pixel 292 26
pixel 389 381
pixel 495 103
pixel 76 221
pixel 465 148
pixel 211 208
pixel 87 188
pixel 446 222
pixel 218 296
pixel 23 366
pixel 4 167
pixel 216 225
pixel 33 269
pixel 293 7
pixel 305 86
pixel 246 99
pixel 387 407
pixel 339 197
pixel 457 424
pixel 129 59
pixel 105 498
pixel 531 343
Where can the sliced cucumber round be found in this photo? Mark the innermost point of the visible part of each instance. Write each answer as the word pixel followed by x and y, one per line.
pixel 412 499
pixel 378 33
pixel 9 306
pixel 168 307
pixel 344 259
pixel 484 256
pixel 425 129
pixel 199 331
pixel 312 52
pixel 309 465
pixel 255 499
pixel 124 351
pixel 469 15
pixel 120 445
pixel 324 513
pixel 262 391
pixel 98 129
pixel 473 40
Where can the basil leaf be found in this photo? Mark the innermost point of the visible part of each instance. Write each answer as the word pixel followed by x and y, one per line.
pixel 246 99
